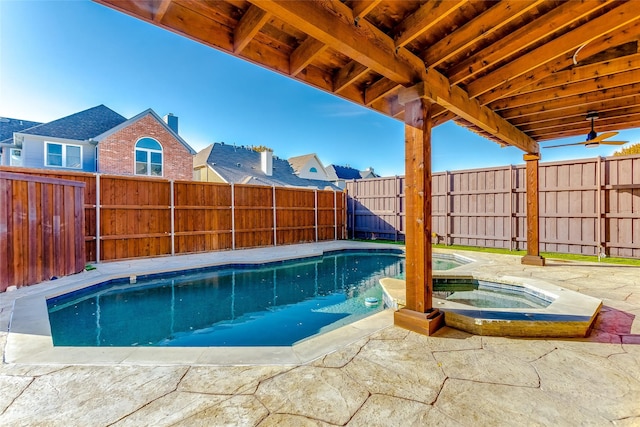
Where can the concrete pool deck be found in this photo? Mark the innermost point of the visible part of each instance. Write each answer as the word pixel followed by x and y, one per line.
pixel 369 374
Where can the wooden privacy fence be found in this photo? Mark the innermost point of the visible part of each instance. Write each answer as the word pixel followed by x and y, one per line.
pixel 589 207
pixel 130 217
pixel 41 229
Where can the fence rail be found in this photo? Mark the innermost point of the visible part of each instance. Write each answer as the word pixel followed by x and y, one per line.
pixel 41 229
pixel 130 217
pixel 589 207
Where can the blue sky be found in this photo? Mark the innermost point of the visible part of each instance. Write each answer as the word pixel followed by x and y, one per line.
pixel 61 57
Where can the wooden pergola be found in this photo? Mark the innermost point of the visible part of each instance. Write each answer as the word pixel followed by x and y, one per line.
pixel 514 71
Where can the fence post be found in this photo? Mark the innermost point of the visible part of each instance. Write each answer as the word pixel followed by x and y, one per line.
pixel 173 218
pixel 233 217
pixel 315 211
pixel 396 214
pixel 275 217
pixel 97 218
pixel 511 213
pixel 599 207
pixel 447 213
pixel 335 215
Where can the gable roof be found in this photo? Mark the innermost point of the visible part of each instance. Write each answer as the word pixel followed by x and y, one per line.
pixel 242 165
pixel 8 126
pixel 347 172
pixel 81 126
pixel 298 162
pixel 137 117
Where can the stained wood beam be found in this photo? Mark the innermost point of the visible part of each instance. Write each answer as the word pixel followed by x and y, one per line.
pixel 489 22
pixel 585 72
pixel 379 89
pixel 250 23
pixel 561 17
pixel 361 8
pixel 596 84
pixel 161 10
pixel 614 117
pixel 436 88
pixel 568 43
pixel 424 19
pixel 348 74
pixel 332 23
pixel 569 102
pixel 533 233
pixel 370 47
pixel 304 54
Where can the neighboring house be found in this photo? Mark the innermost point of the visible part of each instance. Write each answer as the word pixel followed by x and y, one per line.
pixel 101 140
pixel 340 174
pixel 226 163
pixel 308 167
pixel 9 154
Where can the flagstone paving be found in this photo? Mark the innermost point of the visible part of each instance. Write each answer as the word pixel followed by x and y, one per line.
pixel 391 377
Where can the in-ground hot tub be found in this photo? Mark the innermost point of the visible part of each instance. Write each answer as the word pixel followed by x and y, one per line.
pixel 505 305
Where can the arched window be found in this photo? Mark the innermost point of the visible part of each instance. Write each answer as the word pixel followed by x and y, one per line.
pixel 148 157
pixel 314 170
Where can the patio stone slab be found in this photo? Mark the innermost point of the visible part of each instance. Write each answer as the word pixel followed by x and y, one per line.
pixel 235 411
pixel 288 420
pixel 380 410
pixel 55 399
pixel 10 388
pixel 486 366
pixel 399 369
pixel 229 381
pixel 323 394
pixel 479 404
pixel 590 382
pixel 170 409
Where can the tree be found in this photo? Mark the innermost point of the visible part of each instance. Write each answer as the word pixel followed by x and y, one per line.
pixel 260 148
pixel 632 149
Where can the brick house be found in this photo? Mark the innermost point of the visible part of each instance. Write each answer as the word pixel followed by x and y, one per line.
pixel 101 140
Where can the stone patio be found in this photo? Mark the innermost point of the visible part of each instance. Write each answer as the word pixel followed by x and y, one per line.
pixel 387 377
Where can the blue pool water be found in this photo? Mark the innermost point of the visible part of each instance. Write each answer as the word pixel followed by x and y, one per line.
pixel 274 305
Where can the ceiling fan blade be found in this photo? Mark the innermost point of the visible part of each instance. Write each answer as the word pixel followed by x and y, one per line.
pixel 603 135
pixel 567 145
pixel 613 142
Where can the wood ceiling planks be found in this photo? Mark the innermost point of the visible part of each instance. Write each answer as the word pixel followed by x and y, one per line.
pixel 537 65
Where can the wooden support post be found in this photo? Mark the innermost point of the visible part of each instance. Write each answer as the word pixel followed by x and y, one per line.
pixel 533 228
pixel 419 314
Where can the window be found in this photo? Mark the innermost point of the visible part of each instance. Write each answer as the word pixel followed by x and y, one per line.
pixel 15 157
pixel 63 155
pixel 148 157
pixel 314 170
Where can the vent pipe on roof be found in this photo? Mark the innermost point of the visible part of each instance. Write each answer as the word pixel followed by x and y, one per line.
pixel 266 162
pixel 172 122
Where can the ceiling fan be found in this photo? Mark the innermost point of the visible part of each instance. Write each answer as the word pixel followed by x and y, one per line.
pixel 593 139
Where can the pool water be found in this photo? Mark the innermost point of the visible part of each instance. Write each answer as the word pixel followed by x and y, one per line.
pixel 485 294
pixel 274 305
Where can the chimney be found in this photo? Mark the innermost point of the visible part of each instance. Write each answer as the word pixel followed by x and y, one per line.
pixel 266 162
pixel 172 122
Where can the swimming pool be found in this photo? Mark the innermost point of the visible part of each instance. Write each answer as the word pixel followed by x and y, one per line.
pixel 275 304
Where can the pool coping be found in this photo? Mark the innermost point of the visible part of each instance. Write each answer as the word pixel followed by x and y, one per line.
pixel 29 335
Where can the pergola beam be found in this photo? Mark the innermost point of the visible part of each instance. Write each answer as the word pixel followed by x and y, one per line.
pixel 304 54
pixel 332 23
pixel 428 16
pixel 436 88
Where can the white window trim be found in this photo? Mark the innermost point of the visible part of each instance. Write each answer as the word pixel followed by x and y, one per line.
pixel 149 151
pixel 64 155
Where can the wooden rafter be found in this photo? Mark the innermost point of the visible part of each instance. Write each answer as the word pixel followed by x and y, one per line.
pixel 248 27
pixel 425 18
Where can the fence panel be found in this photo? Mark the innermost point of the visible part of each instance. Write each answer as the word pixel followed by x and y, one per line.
pixel 41 229
pixel 621 198
pixel 589 207
pixel 253 216
pixel 202 217
pixel 135 217
pixel 296 219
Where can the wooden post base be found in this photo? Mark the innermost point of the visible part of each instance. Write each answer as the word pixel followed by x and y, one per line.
pixel 422 323
pixel 532 260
